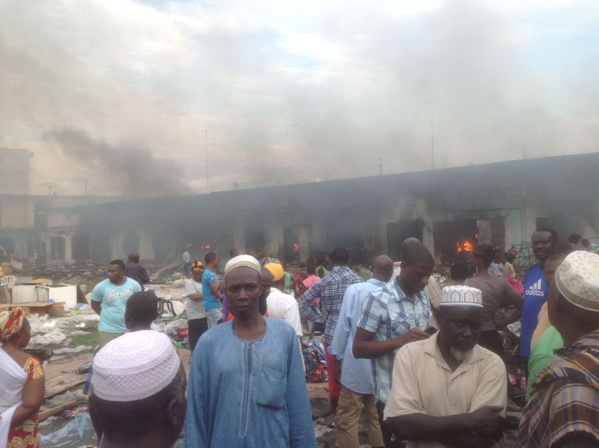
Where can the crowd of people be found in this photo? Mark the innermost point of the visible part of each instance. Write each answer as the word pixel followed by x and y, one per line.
pixel 425 365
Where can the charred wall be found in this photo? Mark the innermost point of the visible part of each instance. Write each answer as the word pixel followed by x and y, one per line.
pixel 368 215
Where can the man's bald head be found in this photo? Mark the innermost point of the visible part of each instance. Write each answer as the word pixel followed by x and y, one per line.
pixel 416 253
pixel 407 245
pixel 382 268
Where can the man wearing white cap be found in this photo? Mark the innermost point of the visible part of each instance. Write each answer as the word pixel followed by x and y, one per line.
pixel 138 392
pixel 563 411
pixel 251 392
pixel 447 390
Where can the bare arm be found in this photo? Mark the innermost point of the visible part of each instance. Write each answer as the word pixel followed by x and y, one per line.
pixel 196 296
pixel 366 347
pixel 96 306
pixel 485 422
pixel 307 310
pixel 33 397
pixel 214 288
pixel 143 275
pixel 511 298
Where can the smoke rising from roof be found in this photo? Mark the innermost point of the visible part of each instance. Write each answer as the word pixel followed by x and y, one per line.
pixel 131 170
pixel 487 81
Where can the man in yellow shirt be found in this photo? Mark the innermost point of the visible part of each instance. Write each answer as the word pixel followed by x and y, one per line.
pixel 447 390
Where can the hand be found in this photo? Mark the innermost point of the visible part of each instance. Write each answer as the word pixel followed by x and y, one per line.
pixel 337 371
pixel 415 334
pixel 487 421
pixel 500 323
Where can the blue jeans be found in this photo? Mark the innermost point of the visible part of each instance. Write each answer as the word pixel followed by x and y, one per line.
pixel 213 316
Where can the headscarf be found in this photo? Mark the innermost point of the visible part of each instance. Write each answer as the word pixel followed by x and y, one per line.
pixel 269 260
pixel 11 322
pixel 197 264
pixel 276 269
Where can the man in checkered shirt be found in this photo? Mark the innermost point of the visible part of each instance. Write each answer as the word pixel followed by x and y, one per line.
pixel 393 316
pixel 331 290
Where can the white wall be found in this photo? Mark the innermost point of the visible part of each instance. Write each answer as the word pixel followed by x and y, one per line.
pixel 63 219
pixel 16 213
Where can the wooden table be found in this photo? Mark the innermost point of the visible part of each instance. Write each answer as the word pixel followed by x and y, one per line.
pixel 50 308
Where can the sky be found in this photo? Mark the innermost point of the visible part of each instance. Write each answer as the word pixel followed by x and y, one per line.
pixel 155 98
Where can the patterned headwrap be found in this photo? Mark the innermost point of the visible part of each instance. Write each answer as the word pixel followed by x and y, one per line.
pixel 197 264
pixel 11 321
pixel 269 260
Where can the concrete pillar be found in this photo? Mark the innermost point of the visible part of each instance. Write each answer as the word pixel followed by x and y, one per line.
pixel 239 235
pixel 304 243
pixel 117 250
pixel 146 246
pixel 428 238
pixel 513 229
pixel 316 236
pixel 274 238
pixel 68 249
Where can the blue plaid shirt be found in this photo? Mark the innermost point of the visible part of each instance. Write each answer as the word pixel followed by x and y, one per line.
pixel 331 290
pixel 388 313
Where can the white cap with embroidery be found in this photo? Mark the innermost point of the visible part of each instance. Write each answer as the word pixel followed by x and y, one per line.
pixel 134 366
pixel 459 295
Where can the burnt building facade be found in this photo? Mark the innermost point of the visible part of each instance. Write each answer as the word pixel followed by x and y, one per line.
pixel 448 209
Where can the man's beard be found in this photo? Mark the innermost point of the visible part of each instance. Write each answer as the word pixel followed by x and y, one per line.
pixel 460 355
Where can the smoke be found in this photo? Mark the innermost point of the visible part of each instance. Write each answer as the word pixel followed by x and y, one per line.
pixel 466 82
pixel 128 170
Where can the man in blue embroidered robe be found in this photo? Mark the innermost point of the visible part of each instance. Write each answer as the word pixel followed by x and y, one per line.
pixel 247 386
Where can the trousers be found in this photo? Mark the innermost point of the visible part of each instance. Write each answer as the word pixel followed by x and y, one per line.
pixel 347 419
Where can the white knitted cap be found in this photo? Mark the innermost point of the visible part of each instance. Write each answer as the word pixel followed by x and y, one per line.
pixel 134 366
pixel 577 279
pixel 243 260
pixel 461 296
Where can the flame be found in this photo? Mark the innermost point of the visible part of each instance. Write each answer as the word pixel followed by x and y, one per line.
pixel 295 247
pixel 465 246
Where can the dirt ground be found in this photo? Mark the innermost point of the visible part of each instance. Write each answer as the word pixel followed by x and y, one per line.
pixel 60 377
pixel 63 385
pixel 73 340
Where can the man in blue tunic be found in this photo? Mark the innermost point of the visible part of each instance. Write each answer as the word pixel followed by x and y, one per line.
pixel 246 385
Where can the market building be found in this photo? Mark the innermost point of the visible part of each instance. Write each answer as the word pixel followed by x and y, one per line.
pixel 448 209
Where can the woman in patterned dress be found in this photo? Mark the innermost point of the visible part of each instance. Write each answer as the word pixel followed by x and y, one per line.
pixel 21 382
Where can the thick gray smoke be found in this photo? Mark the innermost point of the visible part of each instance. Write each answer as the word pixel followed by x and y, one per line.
pixel 477 82
pixel 131 171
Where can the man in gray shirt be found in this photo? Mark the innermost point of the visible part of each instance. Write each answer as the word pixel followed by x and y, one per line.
pixel 196 315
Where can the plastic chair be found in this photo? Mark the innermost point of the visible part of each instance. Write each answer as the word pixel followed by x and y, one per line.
pixel 162 303
pixel 9 281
